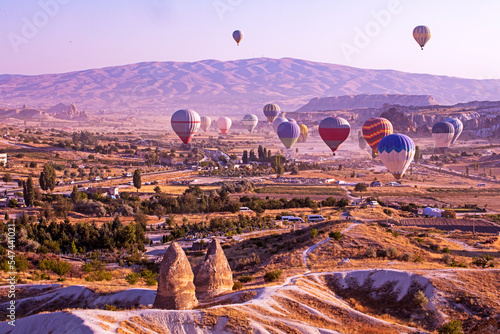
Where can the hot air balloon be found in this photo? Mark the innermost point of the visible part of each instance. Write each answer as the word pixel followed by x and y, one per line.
pixel 443 133
pixel 185 123
pixel 277 121
pixel 238 36
pixel 374 129
pixel 271 111
pixel 224 123
pixel 457 125
pixel 288 133
pixel 303 133
pixel 291 120
pixel 396 152
pixel 250 122
pixel 422 34
pixel 334 131
pixel 205 122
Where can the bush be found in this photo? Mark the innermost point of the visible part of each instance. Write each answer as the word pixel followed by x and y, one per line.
pixel 313 233
pixel 418 258
pixel 237 286
pixel 335 235
pixel 447 258
pixel 420 299
pixel 407 257
pixel 446 250
pixel 132 278
pixel 111 308
pixel 435 247
pixel 392 253
pixel 484 261
pixel 246 279
pixel 451 327
pixel 273 275
pixel 371 252
pixel 382 252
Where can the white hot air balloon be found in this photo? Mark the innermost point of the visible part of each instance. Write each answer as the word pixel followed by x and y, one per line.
pixel 277 122
pixel 250 122
pixel 205 123
pixel 224 123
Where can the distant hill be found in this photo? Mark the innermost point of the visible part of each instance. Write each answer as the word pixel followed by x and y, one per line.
pixel 230 87
pixel 361 101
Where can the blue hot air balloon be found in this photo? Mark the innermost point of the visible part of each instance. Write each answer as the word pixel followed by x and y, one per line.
pixel 288 133
pixel 396 152
pixel 458 125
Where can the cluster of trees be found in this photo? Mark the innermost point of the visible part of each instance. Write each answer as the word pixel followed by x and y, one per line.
pixel 263 155
pixel 38 235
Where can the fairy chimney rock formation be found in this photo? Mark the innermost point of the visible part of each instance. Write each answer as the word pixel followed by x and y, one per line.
pixel 176 290
pixel 213 276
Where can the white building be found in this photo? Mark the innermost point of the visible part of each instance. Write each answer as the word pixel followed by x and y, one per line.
pixel 3 158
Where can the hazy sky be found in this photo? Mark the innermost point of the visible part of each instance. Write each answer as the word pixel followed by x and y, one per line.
pixel 49 36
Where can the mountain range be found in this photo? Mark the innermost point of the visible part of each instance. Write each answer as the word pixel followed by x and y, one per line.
pixel 230 87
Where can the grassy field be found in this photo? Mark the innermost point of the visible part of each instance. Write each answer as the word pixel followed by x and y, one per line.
pixel 302 191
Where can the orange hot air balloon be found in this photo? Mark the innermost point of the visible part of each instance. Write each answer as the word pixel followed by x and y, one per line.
pixel 422 34
pixel 375 129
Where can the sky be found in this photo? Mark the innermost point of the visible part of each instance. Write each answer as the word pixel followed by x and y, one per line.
pixel 55 36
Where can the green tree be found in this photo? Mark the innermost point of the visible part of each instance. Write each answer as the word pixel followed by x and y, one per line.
pixel 29 192
pixel 451 327
pixel 277 165
pixel 360 187
pixel 48 177
pixel 467 170
pixel 137 179
pixel 418 154
pixel 244 158
pixel 74 250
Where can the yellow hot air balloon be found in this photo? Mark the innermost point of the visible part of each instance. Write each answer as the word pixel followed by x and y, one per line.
pixel 422 34
pixel 303 133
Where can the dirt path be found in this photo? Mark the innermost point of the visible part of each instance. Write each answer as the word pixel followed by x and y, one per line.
pixel 313 247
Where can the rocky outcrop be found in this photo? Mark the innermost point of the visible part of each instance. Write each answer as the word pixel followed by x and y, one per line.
pixel 176 290
pixel 213 276
pixel 70 112
pixel 400 122
pixel 361 101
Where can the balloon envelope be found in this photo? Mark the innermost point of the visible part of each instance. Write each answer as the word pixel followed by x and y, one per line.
pixel 396 152
pixel 288 133
pixel 224 123
pixel 291 120
pixel 205 122
pixel 271 111
pixel 443 133
pixel 303 133
pixel 238 36
pixel 250 122
pixel 334 131
pixel 457 125
pixel 422 34
pixel 374 129
pixel 277 121
pixel 185 123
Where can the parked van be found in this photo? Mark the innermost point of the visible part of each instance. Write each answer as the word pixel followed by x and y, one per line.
pixel 315 218
pixel 292 219
pixel 244 208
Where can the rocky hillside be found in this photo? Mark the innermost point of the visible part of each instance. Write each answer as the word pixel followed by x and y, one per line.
pixel 365 101
pixel 237 87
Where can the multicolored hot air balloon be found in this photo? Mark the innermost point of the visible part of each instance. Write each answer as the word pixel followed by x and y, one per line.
pixel 443 133
pixel 271 111
pixel 396 152
pixel 185 123
pixel 205 123
pixel 291 120
pixel 250 122
pixel 334 131
pixel 457 125
pixel 288 133
pixel 277 121
pixel 374 129
pixel 238 36
pixel 422 34
pixel 224 123
pixel 303 133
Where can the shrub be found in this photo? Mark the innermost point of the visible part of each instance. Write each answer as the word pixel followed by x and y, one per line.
pixel 447 258
pixel 407 257
pixel 371 252
pixel 335 235
pixel 237 286
pixel 273 275
pixel 392 252
pixel 451 327
pixel 420 299
pixel 484 261
pixel 313 233
pixel 132 278
pixel 382 252
pixel 246 279
pixel 61 268
pixel 111 308
pixel 446 250
pixel 418 258
pixel 435 247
